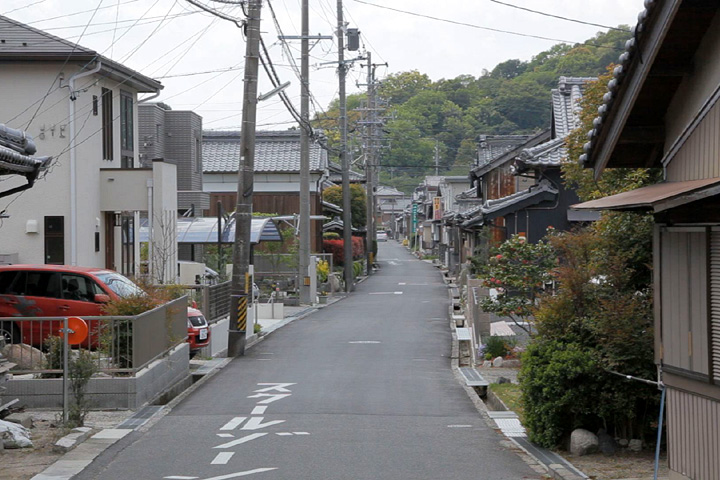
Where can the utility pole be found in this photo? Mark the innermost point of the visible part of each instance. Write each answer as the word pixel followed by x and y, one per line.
pixel 240 287
pixel 437 159
pixel 369 131
pixel 347 207
pixel 304 220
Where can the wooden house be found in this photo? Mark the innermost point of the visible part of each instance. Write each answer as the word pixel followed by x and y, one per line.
pixel 662 110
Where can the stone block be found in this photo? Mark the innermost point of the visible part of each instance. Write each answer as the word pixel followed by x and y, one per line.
pixel 72 439
pixel 583 442
pixel 24 419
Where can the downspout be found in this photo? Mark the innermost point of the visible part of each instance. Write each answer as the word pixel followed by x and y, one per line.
pixel 73 162
pixel 151 233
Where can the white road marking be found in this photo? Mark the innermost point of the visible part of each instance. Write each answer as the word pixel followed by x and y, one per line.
pixel 402 283
pixel 365 341
pixel 226 435
pixel 419 359
pixel 255 423
pixel 222 458
pixel 301 433
pixel 240 474
pixel 392 262
pixel 280 387
pixel 459 426
pixel 259 410
pixel 385 293
pixel 284 434
pixel 233 424
pixel 271 397
pixel 239 441
pixel 180 477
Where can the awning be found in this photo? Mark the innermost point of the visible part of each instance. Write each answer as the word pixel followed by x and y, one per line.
pixel 200 230
pixel 658 197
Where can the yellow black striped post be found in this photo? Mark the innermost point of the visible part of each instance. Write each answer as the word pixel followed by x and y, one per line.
pixel 241 317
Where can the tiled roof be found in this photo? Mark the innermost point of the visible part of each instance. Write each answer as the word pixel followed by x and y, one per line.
pixel 23 42
pixel 336 174
pixel 566 110
pixel 518 200
pixel 492 146
pixel 384 190
pixel 619 74
pixel 548 153
pixel 566 104
pixel 16 150
pixel 274 152
pixel 510 154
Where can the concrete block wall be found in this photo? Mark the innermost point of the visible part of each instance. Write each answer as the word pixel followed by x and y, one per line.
pixel 110 392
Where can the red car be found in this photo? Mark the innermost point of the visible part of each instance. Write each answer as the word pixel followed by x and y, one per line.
pixel 198 330
pixel 63 291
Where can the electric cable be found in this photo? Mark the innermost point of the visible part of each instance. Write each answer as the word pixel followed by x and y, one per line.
pixel 497 30
pixel 5 14
pixel 559 17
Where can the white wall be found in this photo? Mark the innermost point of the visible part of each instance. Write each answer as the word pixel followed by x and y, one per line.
pixel 49 124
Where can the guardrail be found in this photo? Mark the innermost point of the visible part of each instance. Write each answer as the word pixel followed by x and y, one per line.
pixel 118 345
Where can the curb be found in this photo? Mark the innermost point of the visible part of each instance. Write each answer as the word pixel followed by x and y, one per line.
pixel 80 448
pixel 556 471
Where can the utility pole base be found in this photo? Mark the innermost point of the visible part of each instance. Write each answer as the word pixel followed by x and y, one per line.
pixel 236 344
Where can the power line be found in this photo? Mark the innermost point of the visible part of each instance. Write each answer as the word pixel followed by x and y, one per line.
pixel 454 22
pixel 22 8
pixel 559 17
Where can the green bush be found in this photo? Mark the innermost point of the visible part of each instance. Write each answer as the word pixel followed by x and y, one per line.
pixel 561 388
pixel 499 346
pixel 358 268
pixel 331 236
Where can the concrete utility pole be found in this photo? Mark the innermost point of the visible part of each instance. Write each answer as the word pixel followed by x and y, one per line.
pixel 304 220
pixel 347 207
pixel 369 183
pixel 240 288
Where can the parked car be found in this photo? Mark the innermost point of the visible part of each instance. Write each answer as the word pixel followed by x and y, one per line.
pixel 198 330
pixel 56 291
pixel 381 236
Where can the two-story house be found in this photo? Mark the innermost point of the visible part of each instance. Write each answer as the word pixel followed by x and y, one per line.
pixel 522 190
pixel 81 108
pixel 662 109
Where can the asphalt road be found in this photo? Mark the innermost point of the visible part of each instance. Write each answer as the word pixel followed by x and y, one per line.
pixel 362 389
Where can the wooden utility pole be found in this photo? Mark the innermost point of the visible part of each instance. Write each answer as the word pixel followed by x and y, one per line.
pixel 240 288
pixel 304 220
pixel 344 161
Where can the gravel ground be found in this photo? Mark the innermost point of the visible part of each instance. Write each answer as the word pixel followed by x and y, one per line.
pixel 24 463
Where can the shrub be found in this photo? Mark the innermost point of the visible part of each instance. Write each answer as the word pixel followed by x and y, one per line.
pixel 336 248
pixel 80 369
pixel 322 271
pixel 498 346
pixel 561 388
pixel 331 236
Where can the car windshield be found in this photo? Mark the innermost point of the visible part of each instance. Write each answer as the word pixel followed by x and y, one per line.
pixel 122 286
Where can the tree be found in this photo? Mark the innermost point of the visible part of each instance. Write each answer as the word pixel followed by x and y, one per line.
pixel 518 271
pixel 357 202
pixel 400 87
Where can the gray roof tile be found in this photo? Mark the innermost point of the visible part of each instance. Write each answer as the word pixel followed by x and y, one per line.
pixel 274 152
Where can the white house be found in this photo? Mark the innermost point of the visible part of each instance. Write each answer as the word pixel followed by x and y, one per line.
pixel 81 109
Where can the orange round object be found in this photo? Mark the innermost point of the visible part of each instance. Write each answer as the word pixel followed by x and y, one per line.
pixel 79 328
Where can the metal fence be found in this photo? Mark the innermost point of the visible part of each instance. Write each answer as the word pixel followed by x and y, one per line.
pixel 212 300
pixel 116 345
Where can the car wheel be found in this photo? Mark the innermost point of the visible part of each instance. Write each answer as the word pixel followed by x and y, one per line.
pixel 9 332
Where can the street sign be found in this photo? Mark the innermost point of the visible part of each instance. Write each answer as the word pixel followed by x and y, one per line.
pixel 414 218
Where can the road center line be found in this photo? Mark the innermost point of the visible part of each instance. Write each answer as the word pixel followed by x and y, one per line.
pixel 259 410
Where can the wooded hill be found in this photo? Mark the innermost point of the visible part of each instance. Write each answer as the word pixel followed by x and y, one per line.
pixel 449 114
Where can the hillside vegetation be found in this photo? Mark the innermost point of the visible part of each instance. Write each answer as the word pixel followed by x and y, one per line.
pixel 448 115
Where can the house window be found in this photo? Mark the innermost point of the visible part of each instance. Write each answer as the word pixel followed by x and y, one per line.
pixel 128 245
pixel 107 124
pixel 127 139
pixel 55 240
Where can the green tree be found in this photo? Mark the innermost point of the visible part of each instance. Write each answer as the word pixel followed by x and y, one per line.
pixel 518 270
pixel 400 87
pixel 357 202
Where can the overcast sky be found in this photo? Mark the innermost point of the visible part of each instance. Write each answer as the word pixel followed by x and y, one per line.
pixel 176 42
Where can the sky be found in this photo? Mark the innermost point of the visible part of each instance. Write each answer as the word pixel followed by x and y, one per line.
pixel 199 57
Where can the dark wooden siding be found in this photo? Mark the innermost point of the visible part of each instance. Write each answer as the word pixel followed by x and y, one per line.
pixel 693 435
pixel 699 157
